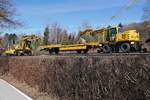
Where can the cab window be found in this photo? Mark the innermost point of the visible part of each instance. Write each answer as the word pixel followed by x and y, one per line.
pixel 113 31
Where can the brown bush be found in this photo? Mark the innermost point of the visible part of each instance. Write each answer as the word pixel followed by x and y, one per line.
pixel 4 66
pixel 86 78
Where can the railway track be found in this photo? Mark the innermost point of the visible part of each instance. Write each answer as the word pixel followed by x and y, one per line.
pixel 88 54
pixel 99 54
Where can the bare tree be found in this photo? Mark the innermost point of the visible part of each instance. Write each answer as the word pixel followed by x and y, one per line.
pixel 58 35
pixel 53 36
pixel 7 13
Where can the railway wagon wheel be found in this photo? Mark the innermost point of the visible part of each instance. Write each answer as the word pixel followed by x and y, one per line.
pixel 56 50
pixel 50 51
pixel 125 47
pixel 106 49
pixel 79 51
pixel 85 51
pixel 17 53
pixel 29 53
pixel 53 50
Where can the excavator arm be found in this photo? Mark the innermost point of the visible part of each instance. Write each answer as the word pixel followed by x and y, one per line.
pixel 24 46
pixel 27 40
pixel 86 31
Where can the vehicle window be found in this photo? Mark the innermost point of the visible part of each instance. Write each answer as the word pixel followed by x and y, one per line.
pixel 113 31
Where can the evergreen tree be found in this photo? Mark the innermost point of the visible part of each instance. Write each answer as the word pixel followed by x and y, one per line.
pixel 6 40
pixel 14 38
pixel 46 36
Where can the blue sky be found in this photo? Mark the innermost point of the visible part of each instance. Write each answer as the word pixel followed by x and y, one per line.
pixel 70 14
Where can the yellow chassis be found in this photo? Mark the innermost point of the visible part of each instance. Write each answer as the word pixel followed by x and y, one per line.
pixel 73 47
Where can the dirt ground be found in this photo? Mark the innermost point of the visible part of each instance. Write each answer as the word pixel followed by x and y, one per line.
pixel 34 93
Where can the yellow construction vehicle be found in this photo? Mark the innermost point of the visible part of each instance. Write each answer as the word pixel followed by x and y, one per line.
pixel 24 47
pixel 113 40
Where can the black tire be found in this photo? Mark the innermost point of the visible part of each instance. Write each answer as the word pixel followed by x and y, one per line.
pixel 100 50
pixel 144 50
pixel 29 53
pixel 125 47
pixel 50 51
pixel 106 49
pixel 18 53
pixel 136 47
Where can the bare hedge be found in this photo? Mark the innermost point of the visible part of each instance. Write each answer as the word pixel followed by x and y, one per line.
pixel 86 78
pixel 4 66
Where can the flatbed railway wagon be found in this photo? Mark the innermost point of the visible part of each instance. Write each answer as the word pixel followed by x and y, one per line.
pixel 79 48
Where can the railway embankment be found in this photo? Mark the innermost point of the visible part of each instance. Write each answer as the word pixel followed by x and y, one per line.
pixel 84 77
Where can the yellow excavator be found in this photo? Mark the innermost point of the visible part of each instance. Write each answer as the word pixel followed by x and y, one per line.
pixel 112 39
pixel 24 47
pixel 120 41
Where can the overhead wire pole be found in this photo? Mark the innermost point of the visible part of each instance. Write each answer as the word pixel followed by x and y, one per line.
pixel 146 15
pixel 125 7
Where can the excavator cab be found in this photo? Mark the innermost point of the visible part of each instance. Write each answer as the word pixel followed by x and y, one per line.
pixel 29 44
pixel 111 33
